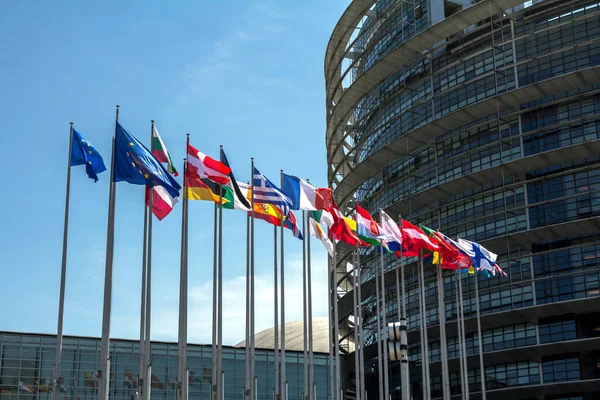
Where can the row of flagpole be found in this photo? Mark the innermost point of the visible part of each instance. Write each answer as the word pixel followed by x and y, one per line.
pixel 280 380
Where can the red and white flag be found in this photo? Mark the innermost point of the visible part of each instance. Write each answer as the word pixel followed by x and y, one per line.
pixel 206 167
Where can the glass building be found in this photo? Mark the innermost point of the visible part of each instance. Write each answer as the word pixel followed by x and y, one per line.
pixel 27 360
pixel 480 119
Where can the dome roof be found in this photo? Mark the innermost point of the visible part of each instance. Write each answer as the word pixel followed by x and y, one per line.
pixel 294 337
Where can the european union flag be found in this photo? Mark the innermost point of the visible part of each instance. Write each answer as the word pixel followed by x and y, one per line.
pixel 135 164
pixel 82 152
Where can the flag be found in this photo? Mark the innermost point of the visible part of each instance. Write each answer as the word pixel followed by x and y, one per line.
pixel 367 229
pixel 202 166
pixel 84 153
pixel 156 383
pixel 170 383
pixel 135 164
pixel 26 389
pixel 42 388
pixel 273 215
pixel 161 153
pixel 323 217
pixel 162 202
pixel 202 189
pixel 317 232
pixel 89 380
pixel 392 232
pixel 483 259
pixel 289 221
pixel 462 260
pixel 340 229
pixel 236 192
pixel 305 196
pixel 267 212
pixel 414 240
pixel 266 192
pixel 128 381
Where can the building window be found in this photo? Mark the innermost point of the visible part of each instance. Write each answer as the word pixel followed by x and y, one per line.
pixel 561 370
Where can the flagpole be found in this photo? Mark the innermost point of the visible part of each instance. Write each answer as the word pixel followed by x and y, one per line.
pixel 252 349
pixel 384 349
pixel 421 329
pixel 215 367
pixel 361 342
pixel 337 335
pixel 356 345
pixel 311 359
pixel 480 340
pixel 330 317
pixel 425 336
pixel 283 374
pixel 247 346
pixel 459 340
pixel 304 310
pixel 275 318
pixel 182 371
pixel 147 350
pixel 404 365
pixel 378 330
pixel 142 367
pixel 464 339
pixel 220 388
pixel 104 371
pixel 443 341
pixel 63 275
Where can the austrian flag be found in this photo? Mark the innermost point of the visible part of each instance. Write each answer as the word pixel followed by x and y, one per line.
pixel 202 166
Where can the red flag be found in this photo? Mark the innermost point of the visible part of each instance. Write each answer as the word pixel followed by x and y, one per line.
pixel 340 229
pixel 414 240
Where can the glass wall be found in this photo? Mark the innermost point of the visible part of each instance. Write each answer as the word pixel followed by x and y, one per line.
pixel 27 361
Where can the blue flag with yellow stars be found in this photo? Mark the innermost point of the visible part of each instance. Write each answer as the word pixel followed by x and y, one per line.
pixel 135 164
pixel 83 153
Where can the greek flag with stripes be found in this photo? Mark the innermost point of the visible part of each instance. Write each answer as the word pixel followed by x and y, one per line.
pixel 266 192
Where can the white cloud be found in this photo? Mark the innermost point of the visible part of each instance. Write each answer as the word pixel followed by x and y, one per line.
pixel 165 319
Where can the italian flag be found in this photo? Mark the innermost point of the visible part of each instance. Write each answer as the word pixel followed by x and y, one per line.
pixel 161 153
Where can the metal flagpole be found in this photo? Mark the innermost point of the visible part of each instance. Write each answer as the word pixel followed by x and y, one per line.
pixel 252 349
pixel 104 372
pixel 425 338
pixel 275 317
pixel 361 342
pixel 459 340
pixel 443 343
pixel 283 374
pixel 311 359
pixel 63 275
pixel 182 371
pixel 384 347
pixel 331 263
pixel 404 370
pixel 304 311
pixel 355 308
pixel 421 329
pixel 148 311
pixel 142 367
pixel 215 367
pixel 464 340
pixel 220 388
pixel 247 346
pixel 378 330
pixel 480 340
pixel 336 330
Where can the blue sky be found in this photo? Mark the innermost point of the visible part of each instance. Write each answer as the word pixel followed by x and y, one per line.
pixel 244 74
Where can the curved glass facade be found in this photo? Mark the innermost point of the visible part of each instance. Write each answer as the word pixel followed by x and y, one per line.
pixel 491 132
pixel 27 362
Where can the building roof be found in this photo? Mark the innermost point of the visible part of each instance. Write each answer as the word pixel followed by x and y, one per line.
pixel 294 337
